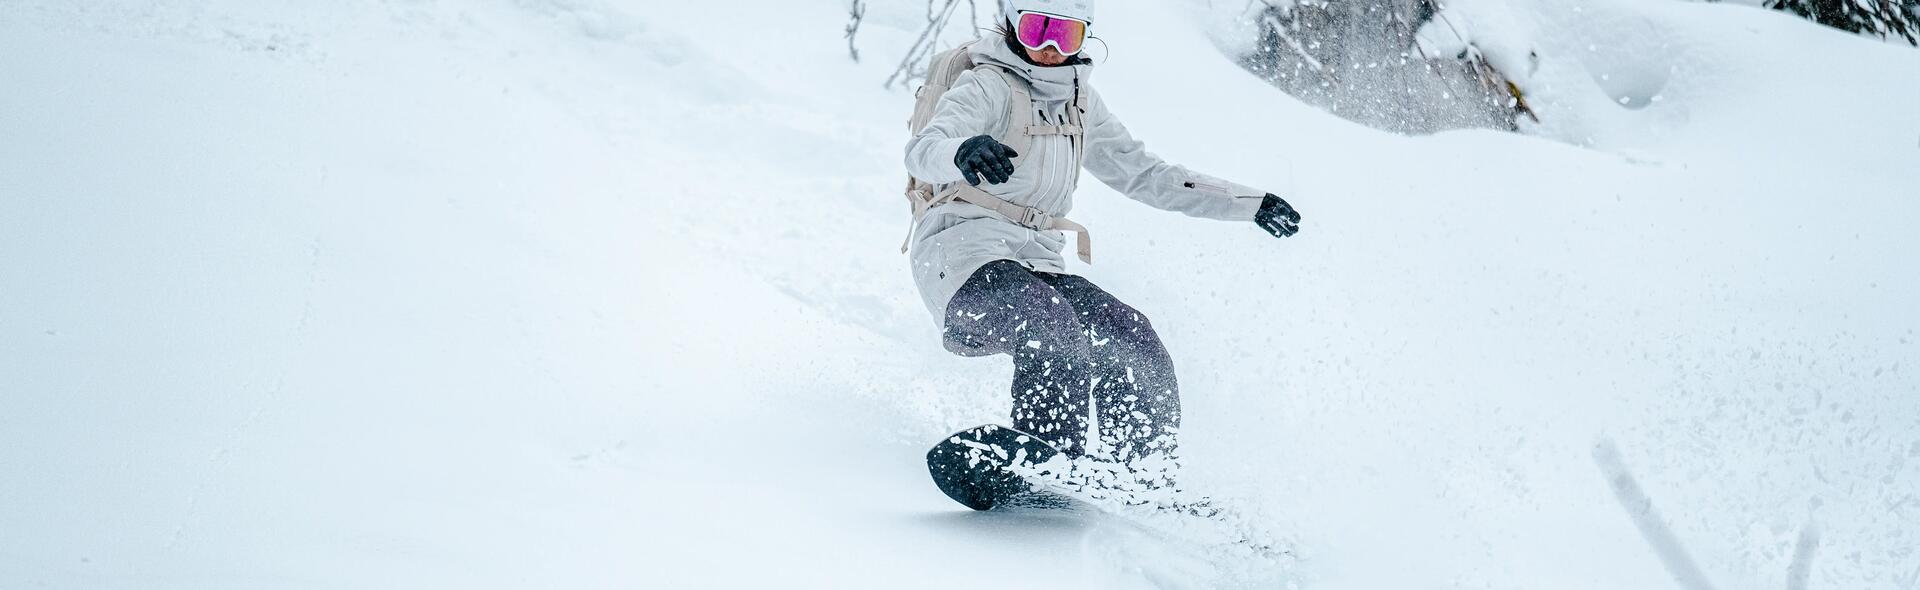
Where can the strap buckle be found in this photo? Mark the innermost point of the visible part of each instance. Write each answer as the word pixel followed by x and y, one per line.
pixel 1033 218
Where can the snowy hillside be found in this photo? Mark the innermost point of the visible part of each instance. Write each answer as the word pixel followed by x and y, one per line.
pixel 590 293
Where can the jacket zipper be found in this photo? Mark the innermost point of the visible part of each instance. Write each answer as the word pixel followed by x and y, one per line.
pixel 1051 177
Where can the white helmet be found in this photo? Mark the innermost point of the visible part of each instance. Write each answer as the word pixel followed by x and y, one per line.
pixel 1074 9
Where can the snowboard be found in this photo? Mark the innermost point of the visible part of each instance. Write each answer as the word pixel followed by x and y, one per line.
pixel 973 467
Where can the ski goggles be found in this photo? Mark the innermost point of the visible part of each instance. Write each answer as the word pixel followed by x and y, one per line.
pixel 1037 30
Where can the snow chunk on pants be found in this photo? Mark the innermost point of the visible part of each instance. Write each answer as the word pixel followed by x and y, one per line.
pixel 1078 352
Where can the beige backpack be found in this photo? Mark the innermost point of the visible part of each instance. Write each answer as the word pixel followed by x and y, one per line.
pixel 945 69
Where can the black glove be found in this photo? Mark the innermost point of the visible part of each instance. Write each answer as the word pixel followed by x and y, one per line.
pixel 980 157
pixel 1277 217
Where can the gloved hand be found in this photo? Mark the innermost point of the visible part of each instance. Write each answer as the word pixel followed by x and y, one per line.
pixel 1277 217
pixel 980 157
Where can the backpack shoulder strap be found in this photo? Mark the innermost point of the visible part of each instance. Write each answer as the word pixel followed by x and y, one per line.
pixel 1019 135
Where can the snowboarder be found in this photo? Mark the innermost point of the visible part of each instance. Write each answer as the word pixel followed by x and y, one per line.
pixel 1001 154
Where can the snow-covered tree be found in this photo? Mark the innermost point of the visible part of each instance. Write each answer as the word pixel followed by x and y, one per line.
pixel 1882 18
pixel 1363 60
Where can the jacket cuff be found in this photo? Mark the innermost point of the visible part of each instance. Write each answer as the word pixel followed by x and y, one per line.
pixel 1245 207
pixel 1247 200
pixel 943 153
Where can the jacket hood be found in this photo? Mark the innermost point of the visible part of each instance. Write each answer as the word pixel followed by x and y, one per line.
pixel 1049 83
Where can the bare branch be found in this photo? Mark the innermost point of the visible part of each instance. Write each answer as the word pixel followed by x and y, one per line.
pixel 856 13
pixel 911 66
pixel 1654 529
pixel 1802 567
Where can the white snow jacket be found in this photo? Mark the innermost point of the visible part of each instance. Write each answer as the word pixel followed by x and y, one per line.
pixel 955 239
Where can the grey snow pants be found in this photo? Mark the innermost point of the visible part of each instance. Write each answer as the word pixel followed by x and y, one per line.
pixel 1078 354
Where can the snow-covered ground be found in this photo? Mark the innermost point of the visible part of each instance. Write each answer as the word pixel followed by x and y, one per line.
pixel 596 293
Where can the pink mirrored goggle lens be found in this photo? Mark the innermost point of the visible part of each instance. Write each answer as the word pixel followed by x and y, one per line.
pixel 1036 30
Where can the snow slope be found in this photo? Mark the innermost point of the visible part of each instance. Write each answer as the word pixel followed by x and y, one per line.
pixel 579 293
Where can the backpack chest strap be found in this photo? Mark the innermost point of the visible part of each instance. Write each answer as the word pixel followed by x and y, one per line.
pixel 1020 118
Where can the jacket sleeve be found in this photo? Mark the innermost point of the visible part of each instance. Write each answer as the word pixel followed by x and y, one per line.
pixel 1122 162
pixel 971 107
